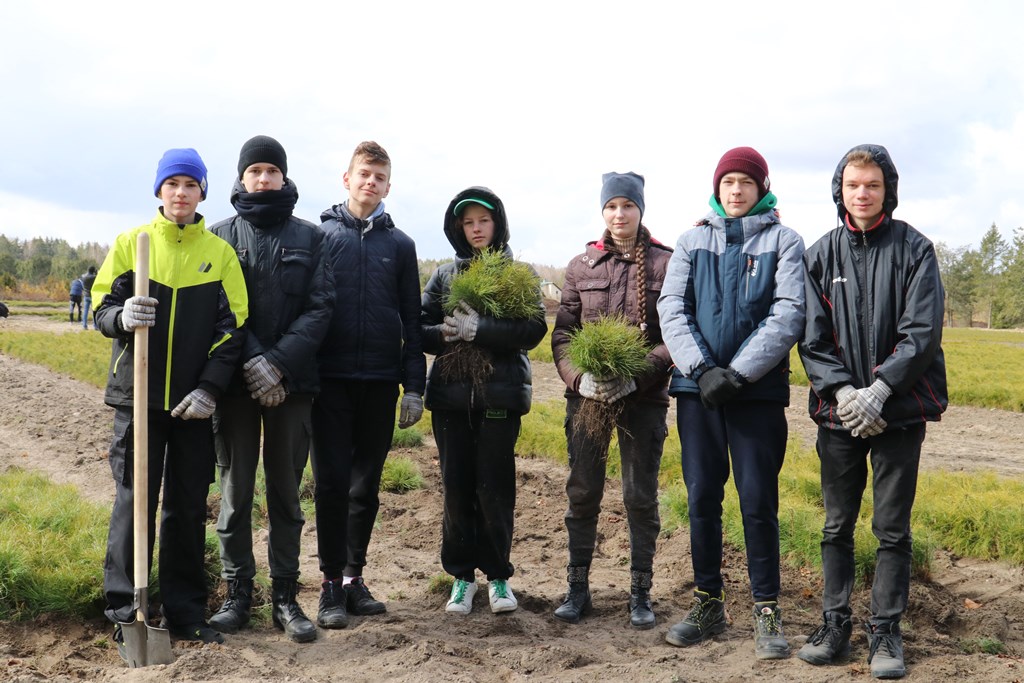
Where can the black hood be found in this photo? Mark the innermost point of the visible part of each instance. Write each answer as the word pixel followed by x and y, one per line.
pixel 453 230
pixel 881 156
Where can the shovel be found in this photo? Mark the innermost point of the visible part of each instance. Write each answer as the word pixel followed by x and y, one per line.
pixel 144 645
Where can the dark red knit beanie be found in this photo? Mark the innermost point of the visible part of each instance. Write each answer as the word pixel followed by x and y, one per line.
pixel 743 160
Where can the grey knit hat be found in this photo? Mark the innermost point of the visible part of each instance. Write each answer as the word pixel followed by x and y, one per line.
pixel 629 185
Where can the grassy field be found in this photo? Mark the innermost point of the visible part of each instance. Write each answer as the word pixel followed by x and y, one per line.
pixel 976 515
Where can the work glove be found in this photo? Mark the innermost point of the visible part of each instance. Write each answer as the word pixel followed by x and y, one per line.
pixel 412 410
pixel 718 385
pixel 844 395
pixel 274 397
pixel 873 429
pixel 612 390
pixel 260 375
pixel 198 405
pixel 865 406
pixel 139 311
pixel 461 324
pixel 590 386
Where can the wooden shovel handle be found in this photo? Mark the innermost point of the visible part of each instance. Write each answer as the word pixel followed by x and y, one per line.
pixel 140 406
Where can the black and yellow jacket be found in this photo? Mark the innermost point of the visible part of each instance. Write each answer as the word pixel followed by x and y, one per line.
pixel 200 321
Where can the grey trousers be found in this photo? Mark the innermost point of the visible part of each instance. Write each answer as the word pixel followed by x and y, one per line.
pixel 642 431
pixel 286 435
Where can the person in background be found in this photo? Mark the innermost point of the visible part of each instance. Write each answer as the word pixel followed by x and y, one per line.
pixel 75 300
pixel 620 274
pixel 291 295
pixel 872 349
pixel 731 310
pixel 87 278
pixel 372 346
pixel 476 428
pixel 197 308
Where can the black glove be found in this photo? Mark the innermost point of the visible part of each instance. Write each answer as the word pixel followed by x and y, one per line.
pixel 718 386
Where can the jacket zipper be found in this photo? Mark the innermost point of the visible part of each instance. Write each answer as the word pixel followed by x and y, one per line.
pixel 866 295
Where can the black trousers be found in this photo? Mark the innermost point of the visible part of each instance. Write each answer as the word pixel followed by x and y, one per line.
pixel 895 455
pixel 642 431
pixel 353 424
pixel 181 455
pixel 752 434
pixel 478 470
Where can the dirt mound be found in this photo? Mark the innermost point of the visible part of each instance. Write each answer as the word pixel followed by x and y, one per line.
pixel 57 425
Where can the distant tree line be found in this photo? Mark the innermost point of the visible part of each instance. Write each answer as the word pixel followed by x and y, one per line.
pixel 45 262
pixel 984 286
pixel 48 265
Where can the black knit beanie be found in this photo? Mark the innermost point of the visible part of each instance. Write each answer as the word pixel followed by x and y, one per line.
pixel 262 149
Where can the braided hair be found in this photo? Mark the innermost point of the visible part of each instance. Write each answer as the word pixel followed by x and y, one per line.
pixel 643 240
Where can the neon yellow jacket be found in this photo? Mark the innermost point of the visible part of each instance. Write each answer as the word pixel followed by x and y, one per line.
pixel 200 320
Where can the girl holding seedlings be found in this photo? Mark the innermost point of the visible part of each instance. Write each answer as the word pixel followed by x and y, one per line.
pixel 476 419
pixel 619 275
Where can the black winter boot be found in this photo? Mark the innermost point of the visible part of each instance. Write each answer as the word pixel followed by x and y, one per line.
pixel 641 614
pixel 288 616
pixel 577 599
pixel 828 642
pixel 237 607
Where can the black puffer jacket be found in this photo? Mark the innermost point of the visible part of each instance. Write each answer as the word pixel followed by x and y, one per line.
pixel 375 330
pixel 874 309
pixel 291 292
pixel 509 386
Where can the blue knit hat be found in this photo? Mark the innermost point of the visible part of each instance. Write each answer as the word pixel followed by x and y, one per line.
pixel 180 162
pixel 629 185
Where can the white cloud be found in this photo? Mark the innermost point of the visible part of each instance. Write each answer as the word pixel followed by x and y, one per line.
pixel 534 99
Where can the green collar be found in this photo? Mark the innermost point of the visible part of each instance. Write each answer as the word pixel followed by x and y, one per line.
pixel 767 203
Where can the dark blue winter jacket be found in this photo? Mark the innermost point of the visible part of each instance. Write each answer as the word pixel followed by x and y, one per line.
pixel 375 329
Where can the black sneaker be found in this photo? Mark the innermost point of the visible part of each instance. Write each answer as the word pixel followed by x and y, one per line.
pixel 769 641
pixel 707 618
pixel 886 650
pixel 200 632
pixel 359 601
pixel 829 642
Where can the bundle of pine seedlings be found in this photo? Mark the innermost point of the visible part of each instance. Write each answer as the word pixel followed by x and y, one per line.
pixel 607 348
pixel 495 286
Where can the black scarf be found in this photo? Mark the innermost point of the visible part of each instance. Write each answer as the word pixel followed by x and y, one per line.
pixel 265 209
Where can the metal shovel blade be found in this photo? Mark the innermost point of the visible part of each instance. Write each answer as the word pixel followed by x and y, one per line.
pixel 146 645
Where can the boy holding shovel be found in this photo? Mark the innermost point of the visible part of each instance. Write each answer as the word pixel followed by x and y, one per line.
pixel 196 310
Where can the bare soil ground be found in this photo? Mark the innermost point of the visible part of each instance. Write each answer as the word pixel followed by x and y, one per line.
pixel 60 426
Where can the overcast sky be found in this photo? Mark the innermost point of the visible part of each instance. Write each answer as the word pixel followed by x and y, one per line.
pixel 532 99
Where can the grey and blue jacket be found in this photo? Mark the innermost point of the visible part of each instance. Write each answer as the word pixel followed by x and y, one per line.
pixel 734 297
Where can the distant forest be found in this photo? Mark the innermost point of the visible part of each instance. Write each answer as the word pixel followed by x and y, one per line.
pixel 44 267
pixel 984 286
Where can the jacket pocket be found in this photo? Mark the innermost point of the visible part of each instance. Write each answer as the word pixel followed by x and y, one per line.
pixel 295 268
pixel 593 297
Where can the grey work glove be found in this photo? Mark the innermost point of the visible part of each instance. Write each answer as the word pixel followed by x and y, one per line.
pixel 139 311
pixel 873 429
pixel 612 390
pixel 461 324
pixel 718 385
pixel 590 386
pixel 260 375
pixel 198 405
pixel 865 406
pixel 412 410
pixel 274 397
